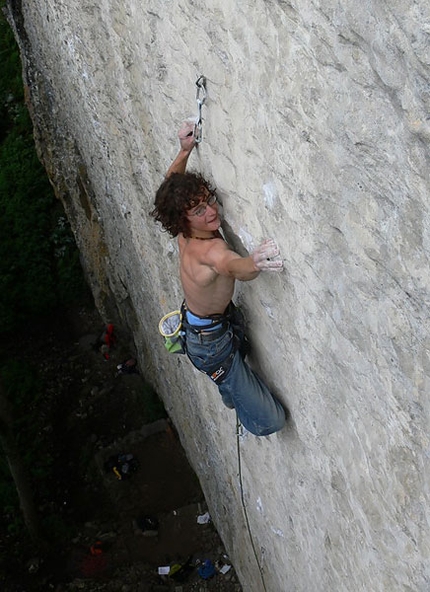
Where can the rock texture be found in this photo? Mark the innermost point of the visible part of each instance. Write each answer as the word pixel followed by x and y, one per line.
pixel 316 132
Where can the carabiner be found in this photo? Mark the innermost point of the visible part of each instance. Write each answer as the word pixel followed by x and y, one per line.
pixel 201 88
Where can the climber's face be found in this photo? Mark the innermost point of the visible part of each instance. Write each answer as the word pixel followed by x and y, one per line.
pixel 205 214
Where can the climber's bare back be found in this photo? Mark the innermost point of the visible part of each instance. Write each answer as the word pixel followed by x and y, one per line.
pixel 206 290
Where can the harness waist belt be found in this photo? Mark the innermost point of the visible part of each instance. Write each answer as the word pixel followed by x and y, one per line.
pixel 201 323
pixel 207 335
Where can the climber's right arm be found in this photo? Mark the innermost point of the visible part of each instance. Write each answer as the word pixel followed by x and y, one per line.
pixel 187 141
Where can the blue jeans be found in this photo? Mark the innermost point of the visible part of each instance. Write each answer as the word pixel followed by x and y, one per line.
pixel 241 389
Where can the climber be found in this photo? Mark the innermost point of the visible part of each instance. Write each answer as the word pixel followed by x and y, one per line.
pixel 187 207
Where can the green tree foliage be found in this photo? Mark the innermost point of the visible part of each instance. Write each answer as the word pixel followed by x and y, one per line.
pixel 39 262
pixel 24 390
pixel 39 271
pixel 11 88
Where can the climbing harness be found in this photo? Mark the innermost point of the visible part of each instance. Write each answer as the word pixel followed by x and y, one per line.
pixel 215 325
pixel 219 372
pixel 200 98
pixel 242 497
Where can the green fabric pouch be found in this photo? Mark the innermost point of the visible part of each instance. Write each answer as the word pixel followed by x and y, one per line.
pixel 170 327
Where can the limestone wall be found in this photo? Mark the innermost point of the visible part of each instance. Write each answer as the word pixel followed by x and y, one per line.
pixel 316 132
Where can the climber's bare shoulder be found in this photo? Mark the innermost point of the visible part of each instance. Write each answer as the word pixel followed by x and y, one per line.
pixel 207 289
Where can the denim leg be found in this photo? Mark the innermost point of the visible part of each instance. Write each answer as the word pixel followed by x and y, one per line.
pixel 237 322
pixel 206 355
pixel 258 410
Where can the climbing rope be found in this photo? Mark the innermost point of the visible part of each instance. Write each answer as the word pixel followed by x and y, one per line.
pixel 242 497
pixel 200 98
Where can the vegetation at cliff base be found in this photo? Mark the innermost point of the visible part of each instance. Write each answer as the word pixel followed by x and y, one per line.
pixel 39 272
pixel 47 426
pixel 39 261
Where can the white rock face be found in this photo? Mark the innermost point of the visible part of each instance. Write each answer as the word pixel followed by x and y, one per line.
pixel 316 132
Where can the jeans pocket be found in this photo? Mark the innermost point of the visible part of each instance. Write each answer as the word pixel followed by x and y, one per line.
pixel 223 346
pixel 206 355
pixel 198 361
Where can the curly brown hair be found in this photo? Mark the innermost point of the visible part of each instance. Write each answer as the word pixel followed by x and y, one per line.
pixel 177 194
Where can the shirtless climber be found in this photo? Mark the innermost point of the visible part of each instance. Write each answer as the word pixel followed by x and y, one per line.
pixel 187 207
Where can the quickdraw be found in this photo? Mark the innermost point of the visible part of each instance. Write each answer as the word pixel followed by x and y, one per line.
pixel 200 98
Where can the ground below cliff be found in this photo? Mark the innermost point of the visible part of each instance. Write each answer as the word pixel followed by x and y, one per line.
pixel 125 529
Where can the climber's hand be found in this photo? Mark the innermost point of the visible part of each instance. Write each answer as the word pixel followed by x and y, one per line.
pixel 186 135
pixel 264 256
pixel 187 141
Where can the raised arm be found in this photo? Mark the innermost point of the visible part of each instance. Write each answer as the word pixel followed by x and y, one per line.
pixel 187 142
